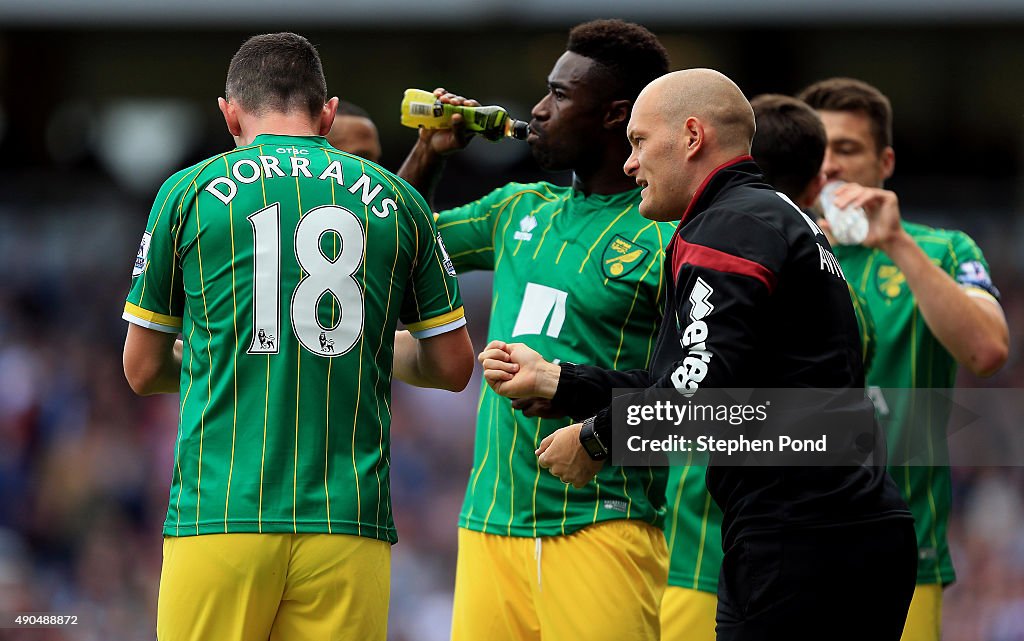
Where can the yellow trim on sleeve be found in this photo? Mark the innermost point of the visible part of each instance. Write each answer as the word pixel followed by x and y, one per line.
pixel 437 321
pixel 153 317
pixel 977 292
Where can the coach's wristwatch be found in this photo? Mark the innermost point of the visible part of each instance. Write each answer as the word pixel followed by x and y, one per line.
pixel 595 449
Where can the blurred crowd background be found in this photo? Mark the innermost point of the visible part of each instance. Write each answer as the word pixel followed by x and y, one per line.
pixel 100 101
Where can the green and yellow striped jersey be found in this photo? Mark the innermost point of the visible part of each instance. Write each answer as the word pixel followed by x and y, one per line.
pixel 286 266
pixel 579 279
pixel 909 356
pixel 693 527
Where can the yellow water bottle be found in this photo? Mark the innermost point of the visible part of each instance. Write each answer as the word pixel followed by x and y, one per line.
pixel 423 109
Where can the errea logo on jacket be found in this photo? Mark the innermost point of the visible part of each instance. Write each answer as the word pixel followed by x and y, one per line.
pixel 526 227
pixel 688 376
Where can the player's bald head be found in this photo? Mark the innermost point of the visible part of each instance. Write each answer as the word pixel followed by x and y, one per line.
pixel 683 126
pixel 709 96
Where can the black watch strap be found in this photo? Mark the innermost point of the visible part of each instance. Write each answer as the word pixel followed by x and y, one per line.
pixel 593 446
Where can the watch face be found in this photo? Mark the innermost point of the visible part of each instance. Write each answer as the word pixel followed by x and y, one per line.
pixel 592 445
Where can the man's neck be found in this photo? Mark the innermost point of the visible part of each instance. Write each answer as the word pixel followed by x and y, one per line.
pixel 605 181
pixel 277 124
pixel 706 169
pixel 605 176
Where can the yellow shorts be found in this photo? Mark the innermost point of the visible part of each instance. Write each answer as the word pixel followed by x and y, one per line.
pixel 688 615
pixel 924 620
pixel 510 588
pixel 255 587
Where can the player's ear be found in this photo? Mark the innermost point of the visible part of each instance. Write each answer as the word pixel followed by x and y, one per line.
pixel 327 115
pixel 813 190
pixel 230 117
pixel 617 114
pixel 888 162
pixel 693 135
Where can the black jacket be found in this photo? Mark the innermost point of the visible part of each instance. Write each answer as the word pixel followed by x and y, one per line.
pixel 755 299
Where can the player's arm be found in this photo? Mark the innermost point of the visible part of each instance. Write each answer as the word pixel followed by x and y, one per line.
pixel 152 360
pixel 436 350
pixel 707 365
pixel 717 347
pixel 514 370
pixel 424 165
pixel 517 371
pixel 970 326
pixel 155 302
pixel 444 361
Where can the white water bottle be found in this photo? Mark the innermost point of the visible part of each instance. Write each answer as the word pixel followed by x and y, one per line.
pixel 850 224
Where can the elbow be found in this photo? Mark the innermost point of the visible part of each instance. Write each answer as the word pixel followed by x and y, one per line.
pixel 457 377
pixel 989 359
pixel 443 362
pixel 141 379
pixel 454 359
pixel 140 385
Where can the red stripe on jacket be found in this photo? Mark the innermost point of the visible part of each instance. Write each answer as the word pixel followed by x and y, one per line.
pixel 701 256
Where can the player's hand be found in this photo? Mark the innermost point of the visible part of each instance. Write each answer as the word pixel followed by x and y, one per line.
pixel 535 407
pixel 562 454
pixel 882 208
pixel 447 141
pixel 514 370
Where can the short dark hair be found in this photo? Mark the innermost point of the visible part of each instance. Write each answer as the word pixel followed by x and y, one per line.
pixel 277 72
pixel 632 54
pixel 346 108
pixel 789 144
pixel 850 94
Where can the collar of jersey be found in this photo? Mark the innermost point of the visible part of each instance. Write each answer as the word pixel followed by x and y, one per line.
pixel 278 139
pixel 603 199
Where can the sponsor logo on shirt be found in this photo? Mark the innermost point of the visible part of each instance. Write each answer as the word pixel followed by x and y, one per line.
pixel 688 376
pixel 542 311
pixel 526 227
pixel 621 257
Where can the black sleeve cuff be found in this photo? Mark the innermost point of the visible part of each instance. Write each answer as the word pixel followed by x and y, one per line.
pixel 566 397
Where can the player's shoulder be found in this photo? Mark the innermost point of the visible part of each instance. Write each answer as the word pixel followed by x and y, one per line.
pixel 520 194
pixel 764 201
pixel 357 169
pixel 174 187
pixel 920 230
pixel 540 190
pixel 217 164
pixel 633 223
pixel 347 158
pixel 753 201
pixel 663 231
pixel 353 162
pixel 385 176
pixel 751 209
pixel 939 239
pixel 190 174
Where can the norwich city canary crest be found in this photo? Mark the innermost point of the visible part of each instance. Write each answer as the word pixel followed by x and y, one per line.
pixel 890 280
pixel 621 257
